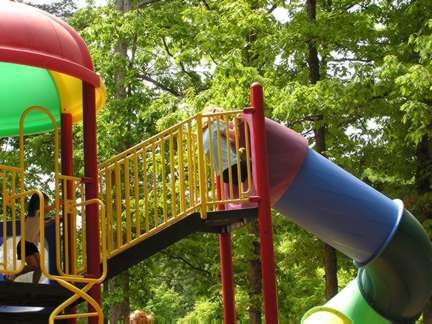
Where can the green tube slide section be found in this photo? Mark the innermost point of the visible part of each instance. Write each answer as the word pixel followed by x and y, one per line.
pixel 398 283
pixel 22 87
pixel 392 288
pixel 347 307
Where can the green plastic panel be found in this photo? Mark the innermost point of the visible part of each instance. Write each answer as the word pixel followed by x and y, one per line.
pixel 20 88
pixel 349 302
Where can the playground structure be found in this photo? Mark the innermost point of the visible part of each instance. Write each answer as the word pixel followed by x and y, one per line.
pixel 154 194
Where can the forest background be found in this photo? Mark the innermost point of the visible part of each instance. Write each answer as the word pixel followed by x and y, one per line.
pixel 354 77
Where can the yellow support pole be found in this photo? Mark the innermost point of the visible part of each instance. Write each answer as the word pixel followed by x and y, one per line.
pixel 238 157
pixel 202 168
pixel 155 192
pixel 118 204
pixel 108 184
pixel 181 169
pixel 228 150
pixel 146 197
pixel 136 192
pixel 219 149
pixel 74 250
pixel 127 201
pixel 164 194
pixel 84 227
pixel 5 250
pixel 14 232
pixel 191 167
pixel 211 158
pixel 248 162
pixel 172 178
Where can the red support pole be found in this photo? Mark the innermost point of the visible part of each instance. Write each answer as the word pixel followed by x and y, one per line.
pixel 91 191
pixel 227 273
pixel 67 169
pixel 260 165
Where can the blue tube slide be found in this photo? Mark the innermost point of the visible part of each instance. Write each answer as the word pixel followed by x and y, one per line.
pixel 385 241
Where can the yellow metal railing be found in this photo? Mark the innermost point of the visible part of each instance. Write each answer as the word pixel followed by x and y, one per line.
pixel 71 243
pixel 56 151
pixel 172 175
pixel 10 178
pixel 13 210
pixel 70 240
pixel 67 280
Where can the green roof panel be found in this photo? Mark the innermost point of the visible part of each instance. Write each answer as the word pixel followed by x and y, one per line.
pixel 21 87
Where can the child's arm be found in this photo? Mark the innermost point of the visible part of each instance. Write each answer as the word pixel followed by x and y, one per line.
pixel 231 130
pixel 231 135
pixel 49 208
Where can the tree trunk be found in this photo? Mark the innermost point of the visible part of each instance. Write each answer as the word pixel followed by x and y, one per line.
pixel 254 276
pixel 250 58
pixel 423 182
pixel 119 312
pixel 423 167
pixel 427 313
pixel 330 259
pixel 119 285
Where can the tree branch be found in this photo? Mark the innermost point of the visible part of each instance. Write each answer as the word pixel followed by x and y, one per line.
pixel 206 4
pixel 145 77
pixel 132 60
pixel 194 78
pixel 350 60
pixel 272 8
pixel 146 2
pixel 349 6
pixel 166 47
pixel 312 118
pixel 177 257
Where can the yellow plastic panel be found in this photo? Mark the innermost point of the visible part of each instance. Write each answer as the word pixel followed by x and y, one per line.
pixel 70 92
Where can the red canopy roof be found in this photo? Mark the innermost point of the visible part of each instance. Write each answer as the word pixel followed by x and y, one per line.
pixel 30 36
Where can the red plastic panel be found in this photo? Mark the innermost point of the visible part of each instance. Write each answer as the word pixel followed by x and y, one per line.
pixel 31 36
pixel 286 153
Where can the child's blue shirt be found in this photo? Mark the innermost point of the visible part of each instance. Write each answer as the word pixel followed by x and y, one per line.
pixel 225 146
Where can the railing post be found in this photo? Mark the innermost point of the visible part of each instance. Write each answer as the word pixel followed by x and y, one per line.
pixel 91 192
pixel 202 168
pixel 227 273
pixel 261 175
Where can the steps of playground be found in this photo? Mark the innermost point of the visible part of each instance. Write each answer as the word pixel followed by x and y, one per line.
pixel 20 294
pixel 216 222
pixel 29 294
pixel 26 318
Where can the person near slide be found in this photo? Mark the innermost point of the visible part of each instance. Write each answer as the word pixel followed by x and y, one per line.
pixel 210 135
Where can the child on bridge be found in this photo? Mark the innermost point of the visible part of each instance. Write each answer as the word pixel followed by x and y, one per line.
pixel 215 139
